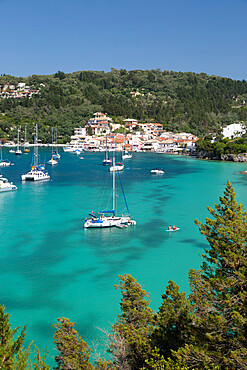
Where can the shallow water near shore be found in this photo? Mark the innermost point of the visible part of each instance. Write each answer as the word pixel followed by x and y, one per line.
pixel 51 267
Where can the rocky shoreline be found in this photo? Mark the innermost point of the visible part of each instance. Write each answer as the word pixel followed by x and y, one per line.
pixel 242 157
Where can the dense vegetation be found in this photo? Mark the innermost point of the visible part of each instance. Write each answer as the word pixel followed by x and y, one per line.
pixel 205 330
pixel 189 102
pixel 222 146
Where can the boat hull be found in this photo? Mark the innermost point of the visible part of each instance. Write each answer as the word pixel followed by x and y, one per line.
pixel 52 162
pixel 11 188
pixel 106 162
pixel 106 222
pixel 4 164
pixel 127 156
pixel 117 168
pixel 35 176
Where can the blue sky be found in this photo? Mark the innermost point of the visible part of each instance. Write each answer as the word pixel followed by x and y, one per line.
pixel 44 36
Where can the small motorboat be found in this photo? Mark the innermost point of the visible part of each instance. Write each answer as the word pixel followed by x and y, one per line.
pixel 5 185
pixel 121 226
pixel 81 158
pixel 157 171
pixel 176 229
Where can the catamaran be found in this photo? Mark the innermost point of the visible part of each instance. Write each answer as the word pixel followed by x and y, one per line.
pixel 37 171
pixel 108 218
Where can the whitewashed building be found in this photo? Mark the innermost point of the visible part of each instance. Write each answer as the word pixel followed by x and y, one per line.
pixel 234 130
pixel 99 124
pixel 79 136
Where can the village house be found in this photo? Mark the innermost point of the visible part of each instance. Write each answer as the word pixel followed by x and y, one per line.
pixel 165 144
pixel 130 121
pixel 79 136
pixel 117 142
pixel 130 126
pixel 150 145
pixel 135 140
pixel 99 124
pixel 157 126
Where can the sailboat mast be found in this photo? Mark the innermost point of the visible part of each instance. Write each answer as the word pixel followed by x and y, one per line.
pixel 106 150
pixel 36 147
pixel 18 140
pixel 125 141
pixel 52 142
pixel 56 142
pixel 113 183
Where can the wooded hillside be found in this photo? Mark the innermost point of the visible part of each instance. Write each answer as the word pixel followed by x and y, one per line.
pixel 191 102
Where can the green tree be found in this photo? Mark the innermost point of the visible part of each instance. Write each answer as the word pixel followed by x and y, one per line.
pixel 174 321
pixel 39 360
pixel 219 290
pixel 208 330
pixel 12 354
pixel 74 353
pixel 61 75
pixel 130 338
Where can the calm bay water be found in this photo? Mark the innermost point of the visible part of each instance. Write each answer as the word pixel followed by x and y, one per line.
pixel 51 267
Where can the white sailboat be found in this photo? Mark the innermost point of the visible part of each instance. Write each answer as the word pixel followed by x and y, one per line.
pixel 107 159
pixel 56 155
pixel 108 218
pixel 52 161
pixel 126 154
pixel 37 172
pixel 4 162
pixel 26 143
pixel 18 150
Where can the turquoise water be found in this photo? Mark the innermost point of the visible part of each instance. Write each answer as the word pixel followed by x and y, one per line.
pixel 51 267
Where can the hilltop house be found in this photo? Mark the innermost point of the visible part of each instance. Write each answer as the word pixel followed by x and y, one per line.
pixel 21 91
